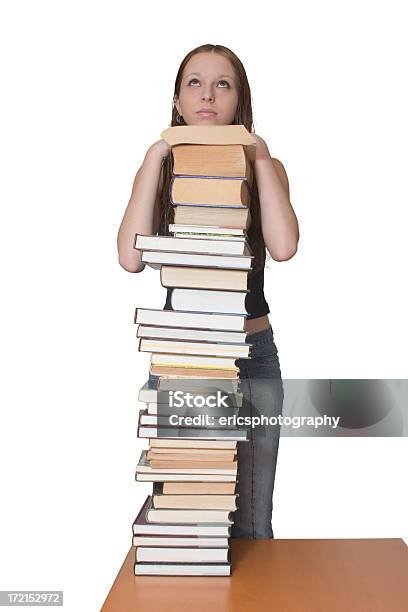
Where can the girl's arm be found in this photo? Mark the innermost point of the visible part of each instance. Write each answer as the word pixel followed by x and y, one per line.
pixel 279 223
pixel 142 212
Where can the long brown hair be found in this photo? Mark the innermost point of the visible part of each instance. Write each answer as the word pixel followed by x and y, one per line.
pixel 243 116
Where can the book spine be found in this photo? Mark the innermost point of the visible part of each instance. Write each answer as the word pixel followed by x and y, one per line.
pixel 209 176
pixel 212 205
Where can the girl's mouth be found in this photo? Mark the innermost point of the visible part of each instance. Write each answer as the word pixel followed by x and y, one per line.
pixel 206 113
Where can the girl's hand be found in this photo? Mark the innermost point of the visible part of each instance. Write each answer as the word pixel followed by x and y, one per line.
pixel 262 151
pixel 160 148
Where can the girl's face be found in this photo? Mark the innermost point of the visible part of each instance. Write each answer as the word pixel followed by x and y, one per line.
pixel 208 82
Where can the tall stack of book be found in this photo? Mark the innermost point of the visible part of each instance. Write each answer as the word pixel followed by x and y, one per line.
pixel 184 527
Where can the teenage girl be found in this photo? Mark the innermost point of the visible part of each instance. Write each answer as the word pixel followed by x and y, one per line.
pixel 212 88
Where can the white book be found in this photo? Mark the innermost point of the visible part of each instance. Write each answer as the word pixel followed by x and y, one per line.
pixel 163 477
pixel 194 501
pixel 183 569
pixel 198 530
pixel 171 443
pixel 156 259
pixel 188 471
pixel 178 333
pixel 182 555
pixel 172 318
pixel 207 229
pixel 195 348
pixel 172 541
pixel 188 433
pixel 166 515
pixel 214 237
pixel 191 245
pixel 209 300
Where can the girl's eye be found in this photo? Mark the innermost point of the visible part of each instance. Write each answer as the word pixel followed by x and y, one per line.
pixel 222 81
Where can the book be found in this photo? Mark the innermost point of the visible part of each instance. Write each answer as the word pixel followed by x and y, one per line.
pixel 195 444
pixel 198 386
pixel 207 231
pixel 171 318
pixel 215 160
pixel 211 135
pixel 194 373
pixel 183 569
pixel 197 488
pixel 212 160
pixel 176 540
pixel 195 466
pixel 156 259
pixel 198 236
pixel 178 333
pixel 211 300
pixel 202 455
pixel 190 433
pixel 220 192
pixel 194 348
pixel 182 555
pixel 178 477
pixel 224 502
pixel 193 361
pixel 145 242
pixel 141 526
pixel 237 218
pixel 145 467
pixel 204 278
pixel 191 453
pixel 166 515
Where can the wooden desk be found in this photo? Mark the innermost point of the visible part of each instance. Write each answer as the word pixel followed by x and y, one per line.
pixel 361 575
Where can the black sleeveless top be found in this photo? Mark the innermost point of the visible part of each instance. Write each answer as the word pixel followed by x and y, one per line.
pixel 255 302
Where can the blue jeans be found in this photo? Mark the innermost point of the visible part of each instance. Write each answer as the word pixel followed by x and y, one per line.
pixel 262 389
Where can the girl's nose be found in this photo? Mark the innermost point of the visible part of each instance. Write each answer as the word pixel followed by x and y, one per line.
pixel 207 95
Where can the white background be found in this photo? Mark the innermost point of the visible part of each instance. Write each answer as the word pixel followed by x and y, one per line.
pixel 87 88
